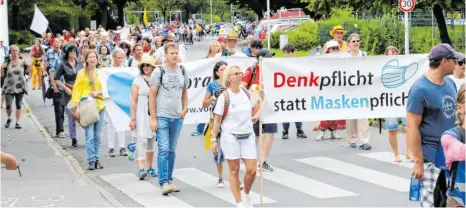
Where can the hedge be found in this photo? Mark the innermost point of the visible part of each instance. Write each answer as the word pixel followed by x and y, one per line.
pixel 376 34
pixel 24 37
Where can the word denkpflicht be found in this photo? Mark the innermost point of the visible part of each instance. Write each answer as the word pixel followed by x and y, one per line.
pixel 338 79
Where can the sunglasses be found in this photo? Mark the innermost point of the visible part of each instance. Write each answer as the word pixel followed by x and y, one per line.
pixel 237 73
pixel 145 65
pixel 334 48
pixel 461 63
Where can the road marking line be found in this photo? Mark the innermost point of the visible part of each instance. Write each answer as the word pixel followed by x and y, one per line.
pixel 303 184
pixel 143 192
pixel 207 183
pixel 388 157
pixel 361 173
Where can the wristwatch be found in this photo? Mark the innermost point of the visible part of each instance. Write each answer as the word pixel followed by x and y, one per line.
pixel 213 140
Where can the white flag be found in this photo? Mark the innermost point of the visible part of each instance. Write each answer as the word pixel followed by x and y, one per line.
pixel 39 23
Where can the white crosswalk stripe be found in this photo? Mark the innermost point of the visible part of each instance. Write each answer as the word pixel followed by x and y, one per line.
pixel 143 192
pixel 361 173
pixel 303 184
pixel 206 183
pixel 388 158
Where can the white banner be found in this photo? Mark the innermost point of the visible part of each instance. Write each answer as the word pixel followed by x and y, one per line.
pixel 313 89
pixel 116 87
pixel 39 22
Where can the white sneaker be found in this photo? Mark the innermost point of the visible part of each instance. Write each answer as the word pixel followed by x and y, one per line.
pixel 321 136
pixel 240 205
pixel 335 135
pixel 246 200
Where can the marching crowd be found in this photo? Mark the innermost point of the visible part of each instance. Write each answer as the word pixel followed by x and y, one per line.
pixel 159 102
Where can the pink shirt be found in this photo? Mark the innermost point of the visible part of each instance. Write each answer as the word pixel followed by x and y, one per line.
pixel 453 149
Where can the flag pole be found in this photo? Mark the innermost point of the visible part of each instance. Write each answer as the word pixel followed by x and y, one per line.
pixel 261 159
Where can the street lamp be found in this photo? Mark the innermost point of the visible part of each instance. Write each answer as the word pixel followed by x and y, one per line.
pixel 268 24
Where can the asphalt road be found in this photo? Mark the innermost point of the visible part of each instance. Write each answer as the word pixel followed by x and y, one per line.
pixel 307 172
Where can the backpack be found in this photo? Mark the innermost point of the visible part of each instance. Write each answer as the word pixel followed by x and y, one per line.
pixel 162 72
pixel 253 75
pixel 223 91
pixel 441 186
pixel 130 62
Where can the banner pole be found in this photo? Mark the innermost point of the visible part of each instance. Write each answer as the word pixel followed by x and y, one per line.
pixel 261 159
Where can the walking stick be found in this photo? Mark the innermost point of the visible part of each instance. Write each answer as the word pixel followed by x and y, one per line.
pixel 261 159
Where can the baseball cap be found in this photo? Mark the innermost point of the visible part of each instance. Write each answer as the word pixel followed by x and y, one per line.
pixel 332 43
pixel 444 51
pixel 221 39
pixel 264 53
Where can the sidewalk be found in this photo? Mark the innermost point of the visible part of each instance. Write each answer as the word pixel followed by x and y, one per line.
pixel 48 177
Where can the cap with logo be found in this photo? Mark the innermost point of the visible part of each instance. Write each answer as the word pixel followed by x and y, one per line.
pixel 444 51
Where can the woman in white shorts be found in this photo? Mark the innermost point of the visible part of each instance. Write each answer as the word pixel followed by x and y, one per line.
pixel 233 113
pixel 139 123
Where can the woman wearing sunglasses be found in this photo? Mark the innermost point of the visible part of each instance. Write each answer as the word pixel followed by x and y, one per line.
pixel 233 112
pixel 458 73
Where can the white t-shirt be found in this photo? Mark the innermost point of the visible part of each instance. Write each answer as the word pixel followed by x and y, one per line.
pixel 238 119
pixel 134 62
pixel 458 82
pixel 239 54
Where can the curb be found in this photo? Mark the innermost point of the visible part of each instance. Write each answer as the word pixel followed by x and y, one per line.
pixel 71 161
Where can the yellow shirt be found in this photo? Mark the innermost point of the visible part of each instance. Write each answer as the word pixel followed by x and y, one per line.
pixel 82 88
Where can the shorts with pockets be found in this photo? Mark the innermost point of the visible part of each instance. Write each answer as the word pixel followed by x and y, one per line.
pixel 234 148
pixel 266 128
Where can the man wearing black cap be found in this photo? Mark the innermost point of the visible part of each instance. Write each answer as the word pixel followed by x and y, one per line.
pixel 431 110
pixel 251 77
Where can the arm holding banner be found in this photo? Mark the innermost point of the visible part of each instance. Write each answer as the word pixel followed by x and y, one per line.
pixel 134 102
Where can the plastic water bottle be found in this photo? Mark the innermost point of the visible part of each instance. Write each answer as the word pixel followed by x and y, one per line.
pixel 415 190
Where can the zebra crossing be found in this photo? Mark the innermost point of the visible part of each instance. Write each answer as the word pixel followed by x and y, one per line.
pixel 281 185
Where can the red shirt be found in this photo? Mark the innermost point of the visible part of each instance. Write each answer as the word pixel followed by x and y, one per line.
pixel 52 41
pixel 248 73
pixel 67 38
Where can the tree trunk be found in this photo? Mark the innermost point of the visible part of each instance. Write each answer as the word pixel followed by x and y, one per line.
pixel 442 25
pixel 15 20
pixel 121 15
pixel 103 15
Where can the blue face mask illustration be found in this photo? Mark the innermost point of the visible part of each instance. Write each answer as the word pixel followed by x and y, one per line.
pixel 394 75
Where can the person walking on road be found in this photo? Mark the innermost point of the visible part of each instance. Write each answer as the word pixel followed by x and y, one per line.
pixel 88 86
pixel 233 114
pixel 37 53
pixel 392 123
pixel 140 118
pixel 252 77
pixel 168 103
pixel 209 98
pixel 430 112
pixel 357 129
pixel 68 68
pixel 15 84
pixel 288 51
pixel 118 56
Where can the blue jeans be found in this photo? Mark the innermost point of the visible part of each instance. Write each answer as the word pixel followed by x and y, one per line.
pixel 200 128
pixel 93 133
pixel 392 123
pixel 168 131
pixel 71 124
pixel 298 125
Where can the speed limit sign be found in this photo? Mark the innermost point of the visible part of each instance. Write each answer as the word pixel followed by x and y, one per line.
pixel 406 5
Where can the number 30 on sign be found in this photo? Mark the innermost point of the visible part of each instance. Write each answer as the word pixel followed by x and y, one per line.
pixel 406 5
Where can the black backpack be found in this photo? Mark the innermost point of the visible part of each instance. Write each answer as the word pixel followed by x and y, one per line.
pixel 162 72
pixel 441 186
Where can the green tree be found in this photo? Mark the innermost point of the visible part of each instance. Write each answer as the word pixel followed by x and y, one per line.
pixel 323 7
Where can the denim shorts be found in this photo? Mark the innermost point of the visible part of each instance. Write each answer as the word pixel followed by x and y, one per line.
pixel 266 128
pixel 392 123
pixel 219 158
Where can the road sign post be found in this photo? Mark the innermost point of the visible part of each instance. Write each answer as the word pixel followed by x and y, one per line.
pixel 406 6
